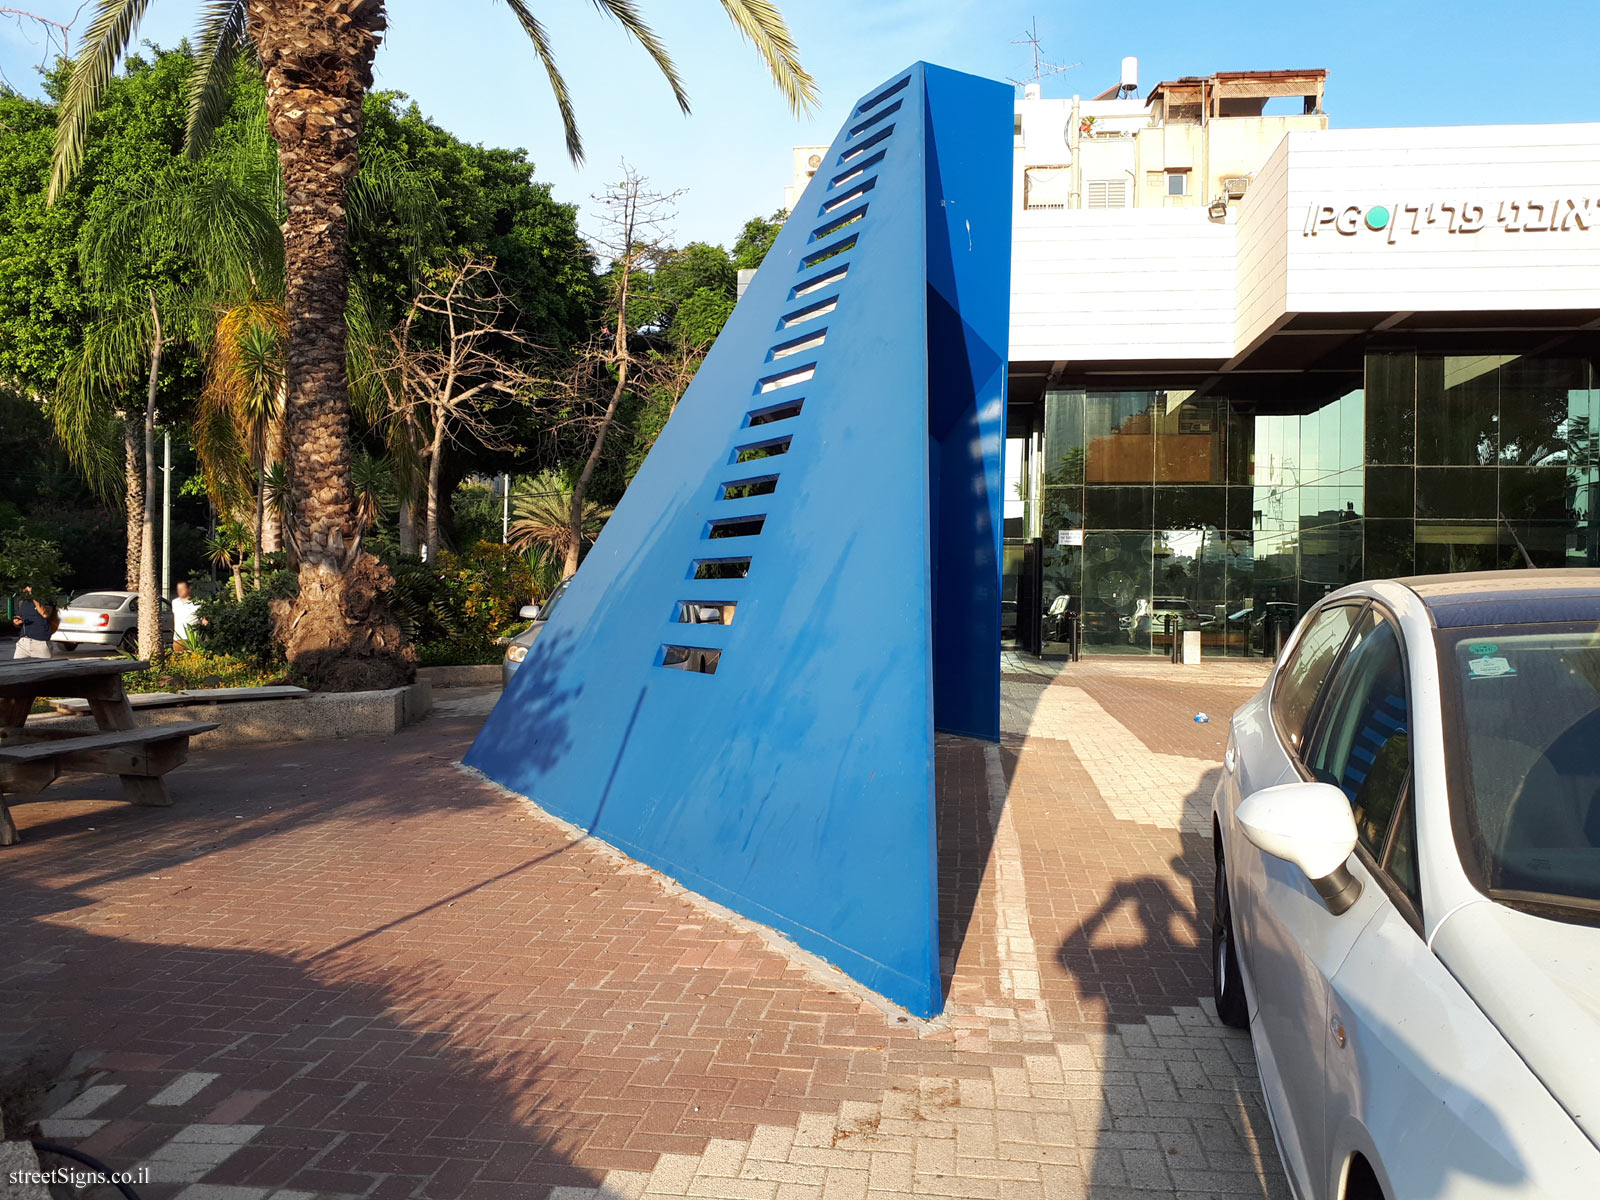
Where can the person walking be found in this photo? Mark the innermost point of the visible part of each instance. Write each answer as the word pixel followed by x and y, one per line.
pixel 36 620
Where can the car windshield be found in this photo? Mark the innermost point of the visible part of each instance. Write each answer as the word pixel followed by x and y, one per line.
pixel 99 600
pixel 1525 772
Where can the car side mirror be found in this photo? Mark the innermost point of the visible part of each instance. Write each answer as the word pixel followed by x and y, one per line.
pixel 529 612
pixel 1309 825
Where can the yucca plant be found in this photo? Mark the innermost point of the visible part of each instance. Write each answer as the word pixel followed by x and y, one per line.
pixel 317 56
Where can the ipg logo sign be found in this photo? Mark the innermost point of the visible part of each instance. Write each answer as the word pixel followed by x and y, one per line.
pixel 1394 221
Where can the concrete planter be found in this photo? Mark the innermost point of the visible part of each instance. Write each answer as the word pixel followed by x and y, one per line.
pixel 324 715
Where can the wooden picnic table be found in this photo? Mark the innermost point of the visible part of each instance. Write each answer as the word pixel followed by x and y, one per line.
pixel 32 758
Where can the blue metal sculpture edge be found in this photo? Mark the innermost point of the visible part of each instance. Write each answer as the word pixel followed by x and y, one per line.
pixel 795 784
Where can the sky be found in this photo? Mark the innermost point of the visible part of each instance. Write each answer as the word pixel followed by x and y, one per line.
pixel 467 64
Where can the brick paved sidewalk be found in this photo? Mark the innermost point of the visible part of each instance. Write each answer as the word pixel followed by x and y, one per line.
pixel 353 969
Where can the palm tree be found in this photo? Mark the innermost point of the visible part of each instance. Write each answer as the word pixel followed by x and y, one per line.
pixel 203 218
pixel 317 59
pixel 240 416
pixel 542 508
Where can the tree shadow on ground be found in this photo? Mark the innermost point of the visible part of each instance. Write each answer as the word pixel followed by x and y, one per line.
pixel 1141 960
pixel 364 1075
pixel 228 798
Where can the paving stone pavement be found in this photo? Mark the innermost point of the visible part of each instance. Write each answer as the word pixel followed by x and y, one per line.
pixel 353 969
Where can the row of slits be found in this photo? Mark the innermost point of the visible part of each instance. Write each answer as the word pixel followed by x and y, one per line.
pixel 769 429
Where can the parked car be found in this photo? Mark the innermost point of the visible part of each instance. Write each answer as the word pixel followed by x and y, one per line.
pixel 517 648
pixel 1407 898
pixel 106 619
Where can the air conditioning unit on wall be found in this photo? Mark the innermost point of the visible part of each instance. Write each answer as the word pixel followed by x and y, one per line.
pixel 1234 185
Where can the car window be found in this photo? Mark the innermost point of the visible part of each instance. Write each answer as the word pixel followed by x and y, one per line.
pixel 1402 862
pixel 1301 677
pixel 1524 760
pixel 549 605
pixel 99 600
pixel 1362 743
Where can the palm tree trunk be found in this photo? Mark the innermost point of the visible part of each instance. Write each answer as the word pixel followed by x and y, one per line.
pixel 317 59
pixel 149 597
pixel 580 489
pixel 435 457
pixel 133 468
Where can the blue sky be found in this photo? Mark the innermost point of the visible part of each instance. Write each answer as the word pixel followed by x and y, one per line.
pixel 1407 62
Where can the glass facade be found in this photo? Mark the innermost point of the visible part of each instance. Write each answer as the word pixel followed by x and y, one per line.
pixel 1159 510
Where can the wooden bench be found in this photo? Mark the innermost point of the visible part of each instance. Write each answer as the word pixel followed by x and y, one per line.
pixel 31 759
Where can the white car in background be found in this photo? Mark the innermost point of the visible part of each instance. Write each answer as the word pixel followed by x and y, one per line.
pixel 1407 905
pixel 109 619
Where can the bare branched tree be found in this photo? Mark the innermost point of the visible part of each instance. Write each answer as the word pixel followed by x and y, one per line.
pixel 453 358
pixel 56 39
pixel 633 222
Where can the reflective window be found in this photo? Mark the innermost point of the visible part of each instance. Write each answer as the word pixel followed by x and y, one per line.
pixel 1415 463
pixel 1117 591
pixel 1525 757
pixel 1117 507
pixel 1120 437
pixel 1456 493
pixel 1191 438
pixel 1391 408
pixel 1301 677
pixel 1458 409
pixel 1362 744
pixel 1402 862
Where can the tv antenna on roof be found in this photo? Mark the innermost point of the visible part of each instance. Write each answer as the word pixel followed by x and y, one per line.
pixel 1042 70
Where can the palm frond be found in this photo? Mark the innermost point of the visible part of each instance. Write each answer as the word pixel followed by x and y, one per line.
pixel 220 39
pixel 219 215
pixel 389 185
pixel 764 28
pixel 627 15
pixel 558 85
pixel 241 396
pixel 104 42
pixel 542 511
pixel 87 428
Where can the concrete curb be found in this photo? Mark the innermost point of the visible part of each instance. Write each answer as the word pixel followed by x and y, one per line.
pixel 317 716
pixel 481 675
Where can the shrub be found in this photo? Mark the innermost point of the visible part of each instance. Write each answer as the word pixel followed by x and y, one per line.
pixel 487 586
pixel 243 629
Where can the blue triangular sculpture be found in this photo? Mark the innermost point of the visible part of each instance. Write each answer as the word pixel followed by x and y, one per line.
pixel 742 684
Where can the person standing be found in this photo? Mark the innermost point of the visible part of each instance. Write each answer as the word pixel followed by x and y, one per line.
pixel 185 615
pixel 36 620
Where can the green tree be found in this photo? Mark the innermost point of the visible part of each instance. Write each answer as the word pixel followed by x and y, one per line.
pixel 317 56
pixel 27 561
pixel 755 239
pixel 159 266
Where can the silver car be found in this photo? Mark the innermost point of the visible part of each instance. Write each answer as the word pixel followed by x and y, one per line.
pixel 109 619
pixel 517 650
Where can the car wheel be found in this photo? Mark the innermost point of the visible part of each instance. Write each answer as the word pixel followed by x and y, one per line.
pixel 1227 985
pixel 67 647
pixel 130 642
